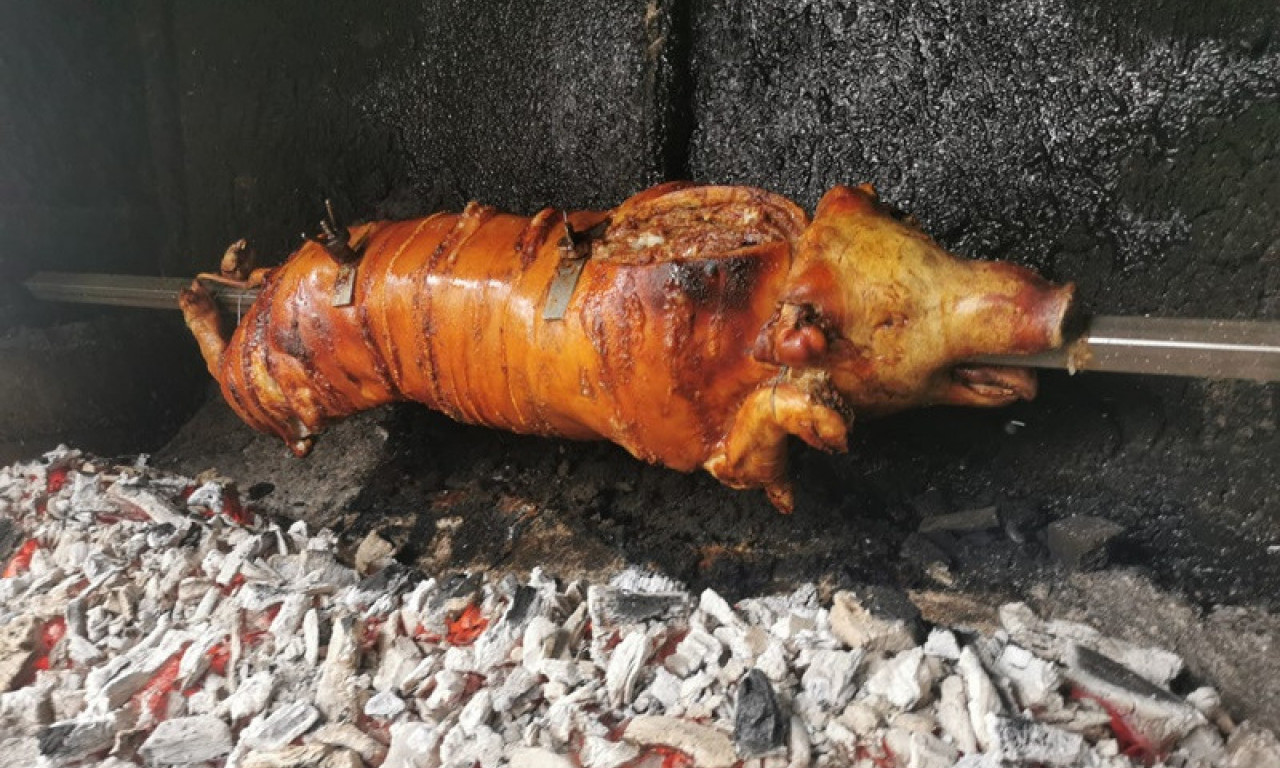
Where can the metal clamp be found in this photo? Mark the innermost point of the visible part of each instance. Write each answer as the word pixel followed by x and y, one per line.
pixel 575 249
pixel 336 240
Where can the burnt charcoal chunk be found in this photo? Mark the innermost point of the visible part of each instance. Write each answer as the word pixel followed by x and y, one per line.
pixel 9 537
pixel 980 519
pixel 192 537
pixel 611 606
pixel 1082 542
pixel 924 553
pixel 889 603
pixel 76 739
pixel 521 602
pixel 1088 662
pixel 1021 520
pixel 1026 741
pixel 390 581
pixel 461 585
pixel 52 738
pixel 760 726
pixel 260 490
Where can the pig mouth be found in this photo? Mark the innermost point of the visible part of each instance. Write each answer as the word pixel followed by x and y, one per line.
pixel 991 385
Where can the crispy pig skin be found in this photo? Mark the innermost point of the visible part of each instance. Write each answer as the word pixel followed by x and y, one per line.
pixel 709 324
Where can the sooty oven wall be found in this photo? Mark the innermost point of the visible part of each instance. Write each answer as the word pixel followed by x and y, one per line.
pixel 1133 147
pixel 88 164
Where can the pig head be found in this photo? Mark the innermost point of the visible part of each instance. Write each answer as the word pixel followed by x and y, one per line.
pixel 875 317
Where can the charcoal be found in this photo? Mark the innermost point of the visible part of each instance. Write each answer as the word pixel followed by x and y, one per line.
pixel 537 757
pixel 599 752
pixel 984 702
pixel 77 739
pixel 624 668
pixel 759 725
pixel 187 740
pixel 301 756
pixel 953 715
pixel 521 603
pixel 16 641
pixel 877 619
pixel 264 633
pixel 458 591
pixel 829 679
pixel 10 538
pixel 1253 747
pixel 612 607
pixel 384 705
pixel 349 737
pixel 1055 639
pixel 1019 740
pixel 148 503
pixel 281 727
pixel 696 649
pixel 393 579
pixel 1082 542
pixel 903 681
pixel 711 603
pixel 709 748
pixel 251 697
pixel 980 519
pixel 373 554
pixel 942 643
pixel 412 745
pixel 1034 681
pixel 335 690
pixel 1151 710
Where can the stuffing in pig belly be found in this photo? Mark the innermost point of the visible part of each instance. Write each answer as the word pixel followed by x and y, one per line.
pixel 706 326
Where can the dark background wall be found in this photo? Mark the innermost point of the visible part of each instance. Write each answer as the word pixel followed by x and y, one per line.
pixel 76 183
pixel 1133 147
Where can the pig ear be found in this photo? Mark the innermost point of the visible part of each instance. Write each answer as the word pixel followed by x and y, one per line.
pixel 793 337
pixel 848 200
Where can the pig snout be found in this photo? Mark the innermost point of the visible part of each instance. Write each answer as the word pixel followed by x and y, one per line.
pixel 1005 309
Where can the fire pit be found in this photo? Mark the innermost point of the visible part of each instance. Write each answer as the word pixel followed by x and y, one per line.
pixel 153 617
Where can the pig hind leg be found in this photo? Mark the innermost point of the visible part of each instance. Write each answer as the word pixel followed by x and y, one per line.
pixel 754 453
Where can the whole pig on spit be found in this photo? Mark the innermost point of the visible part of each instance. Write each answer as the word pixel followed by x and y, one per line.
pixel 695 326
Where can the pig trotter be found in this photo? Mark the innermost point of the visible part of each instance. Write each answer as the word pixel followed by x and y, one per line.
pixel 236 268
pixel 754 453
pixel 201 315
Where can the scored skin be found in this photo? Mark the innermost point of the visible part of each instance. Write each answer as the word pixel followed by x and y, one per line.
pixel 654 350
pixel 707 326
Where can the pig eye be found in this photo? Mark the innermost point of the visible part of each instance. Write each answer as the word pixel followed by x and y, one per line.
pixel 892 321
pixel 898 214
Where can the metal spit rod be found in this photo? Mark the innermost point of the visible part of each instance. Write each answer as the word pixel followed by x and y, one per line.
pixel 128 290
pixel 1166 346
pixel 1215 349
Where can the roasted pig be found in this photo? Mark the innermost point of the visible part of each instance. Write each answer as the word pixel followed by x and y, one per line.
pixel 696 326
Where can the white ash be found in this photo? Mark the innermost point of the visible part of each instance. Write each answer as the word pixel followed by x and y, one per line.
pixel 157 623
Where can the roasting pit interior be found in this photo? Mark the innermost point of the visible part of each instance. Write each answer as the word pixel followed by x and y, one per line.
pixel 1132 147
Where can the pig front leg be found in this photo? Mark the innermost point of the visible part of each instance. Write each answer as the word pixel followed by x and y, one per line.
pixel 754 452
pixel 201 316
